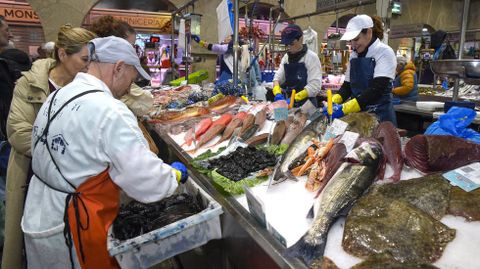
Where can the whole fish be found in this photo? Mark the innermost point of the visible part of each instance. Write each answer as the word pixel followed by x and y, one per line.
pixel 202 127
pixel 173 116
pixel 432 153
pixel 299 146
pixel 257 140
pixel 387 134
pixel 223 120
pixel 295 128
pixel 222 104
pixel 247 122
pixel 278 132
pixel 260 118
pixel 249 132
pixel 210 134
pixel 189 137
pixel 235 123
pixel 341 192
pixel 241 115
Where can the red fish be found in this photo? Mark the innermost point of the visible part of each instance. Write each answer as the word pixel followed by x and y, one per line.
pixel 241 115
pixel 223 120
pixel 434 153
pixel 387 134
pixel 189 137
pixel 202 127
pixel 209 135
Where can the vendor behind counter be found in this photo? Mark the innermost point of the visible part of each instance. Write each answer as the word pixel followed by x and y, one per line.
pixel 299 70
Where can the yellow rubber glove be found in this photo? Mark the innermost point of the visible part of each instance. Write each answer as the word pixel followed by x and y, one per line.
pixel 276 90
pixel 351 107
pixel 337 99
pixel 178 174
pixel 301 95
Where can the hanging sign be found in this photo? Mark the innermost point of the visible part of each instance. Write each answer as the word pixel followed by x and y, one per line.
pixel 19 14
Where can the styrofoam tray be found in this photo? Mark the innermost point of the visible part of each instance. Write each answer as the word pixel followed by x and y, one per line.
pixel 156 246
pixel 430 105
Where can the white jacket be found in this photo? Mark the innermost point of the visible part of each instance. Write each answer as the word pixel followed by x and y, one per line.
pixel 91 134
pixel 314 72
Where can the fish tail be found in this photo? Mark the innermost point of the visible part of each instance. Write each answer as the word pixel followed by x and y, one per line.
pixel 307 251
pixel 311 213
pixel 289 175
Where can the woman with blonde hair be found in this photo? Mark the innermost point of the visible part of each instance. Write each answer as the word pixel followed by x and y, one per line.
pixel 31 91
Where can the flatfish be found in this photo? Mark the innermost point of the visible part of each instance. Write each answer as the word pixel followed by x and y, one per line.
pixel 386 261
pixel 465 204
pixel 378 224
pixel 429 193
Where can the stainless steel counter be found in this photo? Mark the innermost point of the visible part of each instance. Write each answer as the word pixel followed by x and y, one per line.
pixel 246 244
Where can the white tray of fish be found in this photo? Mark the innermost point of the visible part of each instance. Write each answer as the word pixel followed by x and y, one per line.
pixel 158 245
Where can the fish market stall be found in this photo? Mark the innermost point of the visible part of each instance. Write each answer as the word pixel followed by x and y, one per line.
pixel 271 218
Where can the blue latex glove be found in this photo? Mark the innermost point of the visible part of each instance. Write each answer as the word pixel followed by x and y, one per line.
pixel 278 97
pixel 196 38
pixel 336 113
pixel 180 167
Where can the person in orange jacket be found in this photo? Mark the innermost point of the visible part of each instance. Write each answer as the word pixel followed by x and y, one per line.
pixel 405 83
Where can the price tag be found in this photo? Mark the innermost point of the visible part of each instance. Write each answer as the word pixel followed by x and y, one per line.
pixel 280 113
pixel 338 127
pixel 255 206
pixel 349 139
pixel 466 177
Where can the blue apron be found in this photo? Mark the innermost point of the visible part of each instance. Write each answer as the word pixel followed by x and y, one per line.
pixel 225 73
pixel 412 95
pixel 361 78
pixel 296 79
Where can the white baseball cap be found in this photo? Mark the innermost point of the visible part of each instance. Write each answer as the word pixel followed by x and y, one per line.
pixel 112 49
pixel 356 25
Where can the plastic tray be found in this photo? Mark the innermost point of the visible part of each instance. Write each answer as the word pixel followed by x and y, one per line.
pixel 430 105
pixel 156 246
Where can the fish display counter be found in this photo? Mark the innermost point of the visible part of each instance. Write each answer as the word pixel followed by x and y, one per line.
pixel 274 222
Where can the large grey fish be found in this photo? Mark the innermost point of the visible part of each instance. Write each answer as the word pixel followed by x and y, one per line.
pixel 341 192
pixel 298 146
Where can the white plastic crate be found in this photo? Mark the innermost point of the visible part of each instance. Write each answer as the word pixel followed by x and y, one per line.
pixel 158 245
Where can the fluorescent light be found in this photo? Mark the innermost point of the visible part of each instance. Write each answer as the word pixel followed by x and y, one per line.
pixel 425 29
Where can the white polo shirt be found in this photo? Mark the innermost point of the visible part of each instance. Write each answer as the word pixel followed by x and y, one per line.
pixel 385 60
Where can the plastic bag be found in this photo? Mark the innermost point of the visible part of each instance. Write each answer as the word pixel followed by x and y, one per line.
pixel 455 122
pixel 259 93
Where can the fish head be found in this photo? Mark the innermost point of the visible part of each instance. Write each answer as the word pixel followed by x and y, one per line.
pixel 367 153
pixel 319 125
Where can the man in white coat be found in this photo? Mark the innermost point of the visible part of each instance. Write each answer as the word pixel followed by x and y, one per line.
pixel 86 146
